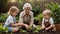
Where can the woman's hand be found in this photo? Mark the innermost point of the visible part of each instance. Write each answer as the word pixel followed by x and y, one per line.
pixel 27 27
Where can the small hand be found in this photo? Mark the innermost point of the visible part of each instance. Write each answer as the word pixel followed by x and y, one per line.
pixel 42 28
pixel 46 28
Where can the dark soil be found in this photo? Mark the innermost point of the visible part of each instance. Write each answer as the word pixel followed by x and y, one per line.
pixel 33 33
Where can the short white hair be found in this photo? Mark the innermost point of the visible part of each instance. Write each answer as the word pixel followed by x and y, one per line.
pixel 27 5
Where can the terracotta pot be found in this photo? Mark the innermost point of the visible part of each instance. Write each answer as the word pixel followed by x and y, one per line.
pixel 57 27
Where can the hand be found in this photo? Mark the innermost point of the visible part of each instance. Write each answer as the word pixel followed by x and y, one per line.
pixel 27 27
pixel 18 23
pixel 42 28
pixel 46 28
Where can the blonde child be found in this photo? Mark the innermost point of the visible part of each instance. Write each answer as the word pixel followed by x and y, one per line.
pixel 11 20
pixel 47 22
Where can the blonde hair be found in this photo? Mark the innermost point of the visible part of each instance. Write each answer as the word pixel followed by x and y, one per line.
pixel 12 9
pixel 48 12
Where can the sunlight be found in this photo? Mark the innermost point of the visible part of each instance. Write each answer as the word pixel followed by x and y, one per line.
pixel 13 0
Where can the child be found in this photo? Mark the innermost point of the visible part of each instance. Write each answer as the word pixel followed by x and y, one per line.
pixel 47 22
pixel 11 20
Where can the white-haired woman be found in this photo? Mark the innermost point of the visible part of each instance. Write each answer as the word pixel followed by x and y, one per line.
pixel 26 16
pixel 11 20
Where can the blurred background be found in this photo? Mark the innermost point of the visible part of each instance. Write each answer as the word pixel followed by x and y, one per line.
pixel 38 7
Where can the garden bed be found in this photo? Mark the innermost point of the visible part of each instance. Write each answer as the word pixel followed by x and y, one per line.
pixel 34 33
pixel 39 32
pixel 57 26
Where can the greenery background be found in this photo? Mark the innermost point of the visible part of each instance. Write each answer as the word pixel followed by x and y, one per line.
pixel 38 7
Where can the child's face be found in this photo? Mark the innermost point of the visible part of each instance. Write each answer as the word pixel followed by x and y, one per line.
pixel 46 16
pixel 15 13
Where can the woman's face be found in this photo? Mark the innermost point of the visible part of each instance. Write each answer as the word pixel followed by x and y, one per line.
pixel 27 9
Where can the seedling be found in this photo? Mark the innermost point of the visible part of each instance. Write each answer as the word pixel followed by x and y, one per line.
pixel 36 30
pixel 23 31
pixel 5 29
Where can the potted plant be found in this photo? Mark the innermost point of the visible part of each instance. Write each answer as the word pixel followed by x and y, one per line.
pixel 55 8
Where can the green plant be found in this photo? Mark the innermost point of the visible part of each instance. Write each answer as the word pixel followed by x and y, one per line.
pixel 55 8
pixel 36 10
pixel 36 30
pixel 3 29
pixel 23 31
pixel 39 17
pixel 17 18
pixel 35 18
pixel 38 27
pixel 3 17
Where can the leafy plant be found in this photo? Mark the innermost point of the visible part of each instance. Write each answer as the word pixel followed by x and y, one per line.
pixel 2 29
pixel 40 17
pixel 17 18
pixel 55 8
pixel 36 10
pixel 23 31
pixel 5 29
pixel 36 30
pixel 3 17
pixel 35 18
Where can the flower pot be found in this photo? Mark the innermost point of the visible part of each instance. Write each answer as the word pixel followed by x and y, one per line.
pixel 57 27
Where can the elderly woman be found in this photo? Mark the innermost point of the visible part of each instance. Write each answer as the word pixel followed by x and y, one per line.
pixel 26 16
